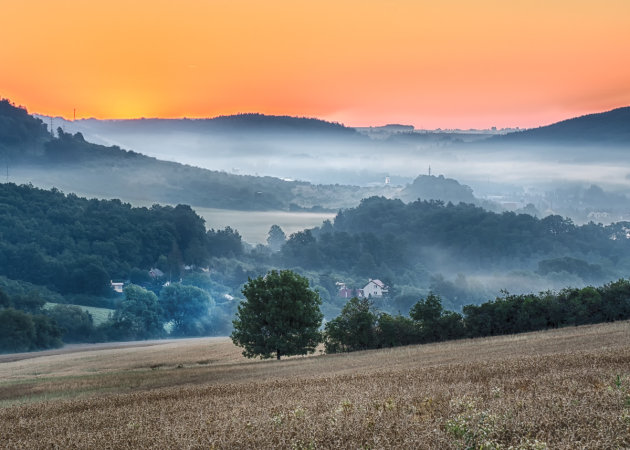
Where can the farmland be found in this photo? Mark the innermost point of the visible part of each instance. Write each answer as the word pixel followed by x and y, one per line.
pixel 566 388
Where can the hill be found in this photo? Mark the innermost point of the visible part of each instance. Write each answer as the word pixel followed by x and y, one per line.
pixel 609 128
pixel 242 123
pixel 563 388
pixel 69 162
pixel 427 187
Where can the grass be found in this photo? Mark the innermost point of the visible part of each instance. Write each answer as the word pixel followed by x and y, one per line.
pixel 254 225
pixel 99 315
pixel 567 388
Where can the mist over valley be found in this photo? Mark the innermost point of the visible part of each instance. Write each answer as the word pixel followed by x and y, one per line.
pixel 466 215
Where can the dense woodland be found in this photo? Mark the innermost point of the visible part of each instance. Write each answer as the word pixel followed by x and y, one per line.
pixel 60 250
pixel 65 250
pixel 451 249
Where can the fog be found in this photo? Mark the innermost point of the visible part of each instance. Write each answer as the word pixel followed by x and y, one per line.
pixel 511 174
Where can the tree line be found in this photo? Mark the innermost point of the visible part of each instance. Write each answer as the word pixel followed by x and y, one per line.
pixel 180 310
pixel 361 327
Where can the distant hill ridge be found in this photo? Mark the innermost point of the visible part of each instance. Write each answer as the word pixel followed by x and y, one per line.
pixel 71 163
pixel 246 122
pixel 610 127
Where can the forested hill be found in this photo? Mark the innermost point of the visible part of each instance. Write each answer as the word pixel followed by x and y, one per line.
pixel 607 128
pixel 388 236
pixel 70 163
pixel 75 245
pixel 243 123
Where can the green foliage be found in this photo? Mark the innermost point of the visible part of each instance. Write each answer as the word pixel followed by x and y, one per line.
pixel 405 240
pixel 188 308
pixel 434 323
pixel 354 329
pixel 21 135
pixel 139 316
pixel 358 327
pixel 17 331
pixel 394 331
pixel 276 238
pixel 280 316
pixel 225 242
pixel 21 332
pixel 5 301
pixel 76 323
pixel 587 272
pixel 74 245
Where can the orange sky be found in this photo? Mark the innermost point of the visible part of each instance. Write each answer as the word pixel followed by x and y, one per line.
pixel 448 64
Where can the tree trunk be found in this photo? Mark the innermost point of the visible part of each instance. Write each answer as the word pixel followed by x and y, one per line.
pixel 278 355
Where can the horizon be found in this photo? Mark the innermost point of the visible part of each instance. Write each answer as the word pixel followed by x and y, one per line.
pixel 456 65
pixel 70 119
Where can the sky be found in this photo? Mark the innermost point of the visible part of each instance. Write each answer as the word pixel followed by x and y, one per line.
pixel 431 64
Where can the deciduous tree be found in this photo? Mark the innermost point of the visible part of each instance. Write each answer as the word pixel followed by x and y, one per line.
pixel 280 316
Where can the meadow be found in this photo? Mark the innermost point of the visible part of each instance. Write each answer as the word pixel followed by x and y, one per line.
pixel 253 226
pixel 566 388
pixel 99 315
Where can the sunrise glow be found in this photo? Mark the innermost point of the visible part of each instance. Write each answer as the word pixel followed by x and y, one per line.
pixel 450 64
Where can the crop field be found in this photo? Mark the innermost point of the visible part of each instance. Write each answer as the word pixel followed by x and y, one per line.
pixel 567 388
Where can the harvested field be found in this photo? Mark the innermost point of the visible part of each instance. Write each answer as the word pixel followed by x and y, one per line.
pixel 566 388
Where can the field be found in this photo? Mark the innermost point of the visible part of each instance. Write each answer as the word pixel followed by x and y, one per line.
pixel 253 226
pixel 99 315
pixel 567 388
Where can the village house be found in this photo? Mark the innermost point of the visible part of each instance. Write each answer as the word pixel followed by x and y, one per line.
pixel 375 288
pixel 117 287
pixel 344 291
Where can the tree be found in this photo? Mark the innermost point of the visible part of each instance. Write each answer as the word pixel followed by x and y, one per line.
pixel 17 331
pixel 138 316
pixel 276 238
pixel 188 308
pixel 354 329
pixel 280 316
pixel 5 301
pixel 436 324
pixel 76 323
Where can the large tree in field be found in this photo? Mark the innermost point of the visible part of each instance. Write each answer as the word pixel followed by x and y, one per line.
pixel 280 316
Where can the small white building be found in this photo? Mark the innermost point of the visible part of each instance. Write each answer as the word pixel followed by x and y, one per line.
pixel 375 288
pixel 117 287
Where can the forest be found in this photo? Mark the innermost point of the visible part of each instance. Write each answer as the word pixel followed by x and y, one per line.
pixel 60 250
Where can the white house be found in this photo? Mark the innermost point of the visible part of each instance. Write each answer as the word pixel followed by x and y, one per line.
pixel 375 288
pixel 117 287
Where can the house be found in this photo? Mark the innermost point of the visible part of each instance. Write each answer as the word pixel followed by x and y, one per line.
pixel 375 288
pixel 117 287
pixel 344 291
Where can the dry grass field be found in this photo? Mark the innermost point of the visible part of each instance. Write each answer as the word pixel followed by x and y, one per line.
pixel 566 388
